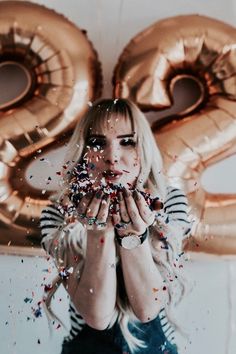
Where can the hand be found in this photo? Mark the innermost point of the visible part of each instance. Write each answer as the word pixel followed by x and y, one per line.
pixel 133 214
pixel 93 211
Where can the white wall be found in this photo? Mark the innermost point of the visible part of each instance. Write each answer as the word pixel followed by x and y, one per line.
pixel 209 311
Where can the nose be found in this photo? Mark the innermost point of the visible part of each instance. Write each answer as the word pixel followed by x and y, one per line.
pixel 111 155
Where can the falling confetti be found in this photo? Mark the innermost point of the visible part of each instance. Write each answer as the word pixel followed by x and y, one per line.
pixel 37 312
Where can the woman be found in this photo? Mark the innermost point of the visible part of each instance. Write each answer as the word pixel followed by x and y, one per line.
pixel 115 232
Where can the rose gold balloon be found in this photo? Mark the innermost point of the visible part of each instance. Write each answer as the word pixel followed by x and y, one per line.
pixel 203 49
pixel 61 73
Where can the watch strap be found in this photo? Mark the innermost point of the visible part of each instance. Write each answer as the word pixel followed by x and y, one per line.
pixel 141 237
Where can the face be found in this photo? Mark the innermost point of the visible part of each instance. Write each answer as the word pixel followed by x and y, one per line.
pixel 112 154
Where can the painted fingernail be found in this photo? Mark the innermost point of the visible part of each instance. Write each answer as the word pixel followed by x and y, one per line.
pixel 106 197
pixel 89 194
pixel 156 204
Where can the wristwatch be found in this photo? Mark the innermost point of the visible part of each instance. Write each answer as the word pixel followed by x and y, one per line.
pixel 131 241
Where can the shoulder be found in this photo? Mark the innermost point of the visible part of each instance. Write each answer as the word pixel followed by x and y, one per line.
pixel 175 199
pixel 52 211
pixel 176 207
pixel 173 194
pixel 52 216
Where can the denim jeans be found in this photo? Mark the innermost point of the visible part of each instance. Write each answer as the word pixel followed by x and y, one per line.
pixel 111 341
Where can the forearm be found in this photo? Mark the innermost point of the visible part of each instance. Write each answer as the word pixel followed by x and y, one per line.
pixel 144 284
pixel 95 295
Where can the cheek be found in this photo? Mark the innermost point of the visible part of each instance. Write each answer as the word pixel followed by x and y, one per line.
pixel 95 163
pixel 135 162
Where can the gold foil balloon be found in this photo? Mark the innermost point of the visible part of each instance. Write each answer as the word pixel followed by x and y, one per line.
pixel 62 74
pixel 203 49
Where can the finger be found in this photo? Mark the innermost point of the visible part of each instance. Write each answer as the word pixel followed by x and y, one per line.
pixel 84 203
pixel 103 212
pixel 132 209
pixel 116 220
pixel 123 209
pixel 115 213
pixel 145 212
pixel 94 206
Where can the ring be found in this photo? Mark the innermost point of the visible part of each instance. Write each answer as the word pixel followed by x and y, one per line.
pixel 126 222
pixel 101 224
pixel 82 216
pixel 123 225
pixel 91 220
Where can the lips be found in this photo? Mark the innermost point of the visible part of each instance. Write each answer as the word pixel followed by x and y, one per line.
pixel 112 174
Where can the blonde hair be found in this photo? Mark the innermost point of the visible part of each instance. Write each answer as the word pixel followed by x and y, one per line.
pixel 151 176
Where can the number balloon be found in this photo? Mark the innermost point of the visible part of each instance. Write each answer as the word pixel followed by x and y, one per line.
pixel 63 74
pixel 203 49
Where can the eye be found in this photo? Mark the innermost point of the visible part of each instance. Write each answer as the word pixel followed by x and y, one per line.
pixel 128 142
pixel 96 143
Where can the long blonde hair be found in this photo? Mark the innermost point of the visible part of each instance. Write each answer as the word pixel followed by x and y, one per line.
pixel 151 177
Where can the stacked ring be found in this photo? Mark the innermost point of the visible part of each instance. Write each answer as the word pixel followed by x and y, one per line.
pixel 101 224
pixel 122 224
pixel 91 220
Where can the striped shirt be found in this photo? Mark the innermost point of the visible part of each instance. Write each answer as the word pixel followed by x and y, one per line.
pixel 174 212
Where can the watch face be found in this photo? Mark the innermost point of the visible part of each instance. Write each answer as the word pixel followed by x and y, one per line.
pixel 130 242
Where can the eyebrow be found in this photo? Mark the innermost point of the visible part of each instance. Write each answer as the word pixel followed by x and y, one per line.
pixel 118 136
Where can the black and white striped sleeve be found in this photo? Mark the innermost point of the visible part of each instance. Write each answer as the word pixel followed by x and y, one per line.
pixel 51 219
pixel 53 227
pixel 176 209
pixel 61 234
pixel 173 220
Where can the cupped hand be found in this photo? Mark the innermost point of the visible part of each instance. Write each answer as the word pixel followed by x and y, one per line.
pixel 133 214
pixel 93 211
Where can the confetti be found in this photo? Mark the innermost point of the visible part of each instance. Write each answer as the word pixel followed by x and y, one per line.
pixel 81 184
pixel 47 287
pixel 37 312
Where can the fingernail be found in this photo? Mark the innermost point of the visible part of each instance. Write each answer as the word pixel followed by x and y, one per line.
pixel 156 204
pixel 116 208
pixel 89 194
pixel 106 197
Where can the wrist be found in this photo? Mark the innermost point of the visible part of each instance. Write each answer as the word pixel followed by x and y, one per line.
pixel 131 241
pixel 108 234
